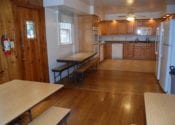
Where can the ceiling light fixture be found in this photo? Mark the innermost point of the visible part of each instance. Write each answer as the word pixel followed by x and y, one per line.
pixel 130 17
pixel 130 2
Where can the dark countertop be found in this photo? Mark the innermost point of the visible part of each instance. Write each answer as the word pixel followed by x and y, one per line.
pixel 129 42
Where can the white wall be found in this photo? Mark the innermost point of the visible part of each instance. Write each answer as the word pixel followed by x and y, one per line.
pixel 54 50
pixel 75 6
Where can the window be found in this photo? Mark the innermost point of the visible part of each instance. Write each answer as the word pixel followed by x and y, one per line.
pixel 30 29
pixel 65 33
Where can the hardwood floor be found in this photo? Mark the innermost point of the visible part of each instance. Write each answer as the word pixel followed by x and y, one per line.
pixel 105 97
pixel 128 65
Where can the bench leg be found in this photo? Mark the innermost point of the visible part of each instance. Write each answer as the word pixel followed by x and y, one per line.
pixel 61 76
pixel 54 77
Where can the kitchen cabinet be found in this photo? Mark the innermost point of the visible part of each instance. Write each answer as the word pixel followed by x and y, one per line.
pixel 128 50
pixel 108 51
pixel 123 27
pixel 139 51
pixel 131 27
pixel 150 51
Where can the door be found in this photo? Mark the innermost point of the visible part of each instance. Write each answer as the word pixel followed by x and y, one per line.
pixel 31 43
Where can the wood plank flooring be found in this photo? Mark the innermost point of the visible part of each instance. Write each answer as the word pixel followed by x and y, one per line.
pixel 129 65
pixel 105 97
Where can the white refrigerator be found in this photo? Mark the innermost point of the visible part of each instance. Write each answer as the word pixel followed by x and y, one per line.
pixel 158 49
pixel 168 55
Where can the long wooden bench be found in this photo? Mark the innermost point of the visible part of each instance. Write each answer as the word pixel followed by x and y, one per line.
pixel 86 66
pixel 58 71
pixel 52 116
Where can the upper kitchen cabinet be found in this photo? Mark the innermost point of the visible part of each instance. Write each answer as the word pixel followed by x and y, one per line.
pixel 123 27
pixel 148 24
pixel 131 27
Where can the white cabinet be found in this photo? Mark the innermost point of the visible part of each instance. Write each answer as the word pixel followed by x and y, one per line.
pixel 117 50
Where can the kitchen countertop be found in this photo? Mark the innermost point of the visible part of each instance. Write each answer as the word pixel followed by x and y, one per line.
pixel 129 42
pixel 159 109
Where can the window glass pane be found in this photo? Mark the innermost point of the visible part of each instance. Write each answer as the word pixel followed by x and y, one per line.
pixel 30 29
pixel 65 33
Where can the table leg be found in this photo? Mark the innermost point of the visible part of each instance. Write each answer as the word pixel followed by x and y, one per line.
pixel 30 115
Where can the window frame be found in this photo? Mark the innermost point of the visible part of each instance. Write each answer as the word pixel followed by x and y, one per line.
pixel 70 34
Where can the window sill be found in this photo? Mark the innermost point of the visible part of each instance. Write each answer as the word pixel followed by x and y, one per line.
pixel 64 45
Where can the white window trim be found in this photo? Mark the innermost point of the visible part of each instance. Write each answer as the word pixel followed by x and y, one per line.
pixel 71 36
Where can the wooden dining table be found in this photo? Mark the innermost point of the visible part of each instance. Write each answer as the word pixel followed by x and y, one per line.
pixel 19 96
pixel 77 57
pixel 159 109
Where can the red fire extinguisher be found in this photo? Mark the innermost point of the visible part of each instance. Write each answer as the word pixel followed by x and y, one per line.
pixel 6 45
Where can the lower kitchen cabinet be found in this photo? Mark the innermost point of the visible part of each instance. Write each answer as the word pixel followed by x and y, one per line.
pixel 128 50
pixel 108 51
pixel 139 51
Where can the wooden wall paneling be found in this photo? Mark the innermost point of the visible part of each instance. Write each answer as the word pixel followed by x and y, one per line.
pixel 43 43
pixel 85 31
pixel 30 2
pixel 9 63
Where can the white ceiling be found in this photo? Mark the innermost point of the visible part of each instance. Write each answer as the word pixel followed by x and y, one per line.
pixel 126 6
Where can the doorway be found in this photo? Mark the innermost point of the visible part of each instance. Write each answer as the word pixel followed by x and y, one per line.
pixel 31 43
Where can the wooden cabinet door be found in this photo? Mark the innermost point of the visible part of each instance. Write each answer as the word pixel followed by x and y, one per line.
pixel 128 50
pixel 122 27
pixel 150 51
pixel 102 26
pixel 130 27
pixel 108 51
pixel 139 51
pixel 112 27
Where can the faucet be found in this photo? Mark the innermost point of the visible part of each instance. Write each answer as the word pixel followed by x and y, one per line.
pixel 147 39
pixel 137 39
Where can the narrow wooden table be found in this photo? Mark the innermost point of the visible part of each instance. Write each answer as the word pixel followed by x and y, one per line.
pixel 18 96
pixel 160 109
pixel 77 58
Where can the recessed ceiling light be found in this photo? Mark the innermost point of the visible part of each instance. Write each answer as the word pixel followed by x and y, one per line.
pixel 167 15
pixel 130 1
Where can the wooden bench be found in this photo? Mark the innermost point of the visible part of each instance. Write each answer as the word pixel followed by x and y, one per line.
pixel 58 71
pixel 84 67
pixel 52 116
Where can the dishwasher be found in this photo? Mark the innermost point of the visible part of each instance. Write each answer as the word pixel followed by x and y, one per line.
pixel 117 50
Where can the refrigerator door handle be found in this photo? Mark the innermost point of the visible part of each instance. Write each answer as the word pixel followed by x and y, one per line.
pixel 165 44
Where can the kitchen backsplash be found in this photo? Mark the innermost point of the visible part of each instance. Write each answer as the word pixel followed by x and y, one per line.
pixel 127 38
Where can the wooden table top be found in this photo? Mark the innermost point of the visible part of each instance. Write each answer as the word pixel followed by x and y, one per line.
pixel 78 57
pixel 159 109
pixel 18 96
